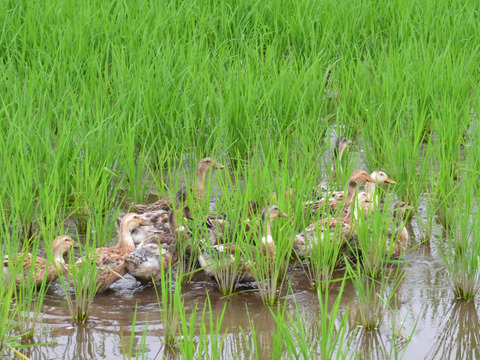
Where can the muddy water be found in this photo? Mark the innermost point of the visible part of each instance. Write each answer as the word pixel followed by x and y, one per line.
pixel 446 329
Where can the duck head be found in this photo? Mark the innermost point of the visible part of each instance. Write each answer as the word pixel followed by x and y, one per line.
pixel 359 177
pixel 132 221
pixel 208 164
pixel 341 144
pixel 401 210
pixel 381 178
pixel 272 212
pixel 61 245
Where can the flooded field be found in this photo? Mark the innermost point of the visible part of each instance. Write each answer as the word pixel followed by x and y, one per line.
pixel 107 104
pixel 446 329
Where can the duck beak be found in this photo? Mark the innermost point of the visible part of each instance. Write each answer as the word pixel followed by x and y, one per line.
pixel 75 245
pixel 282 214
pixel 221 167
pixel 367 199
pixel 369 179
pixel 390 181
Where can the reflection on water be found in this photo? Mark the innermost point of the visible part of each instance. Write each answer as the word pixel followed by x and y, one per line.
pixel 459 333
pixel 444 330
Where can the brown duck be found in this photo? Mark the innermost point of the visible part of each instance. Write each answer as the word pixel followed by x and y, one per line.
pixel 203 167
pixel 111 260
pixel 44 270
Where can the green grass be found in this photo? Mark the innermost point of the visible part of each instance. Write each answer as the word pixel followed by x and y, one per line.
pixel 101 103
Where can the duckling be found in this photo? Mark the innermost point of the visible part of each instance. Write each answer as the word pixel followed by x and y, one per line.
pixel 379 177
pixel 145 263
pixel 358 177
pixel 111 260
pixel 399 233
pixel 43 270
pixel 225 252
pixel 305 241
pixel 203 167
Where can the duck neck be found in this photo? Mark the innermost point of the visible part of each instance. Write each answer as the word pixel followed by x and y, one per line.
pixel 267 238
pixel 173 220
pixel 200 181
pixel 126 239
pixel 348 216
pixel 370 189
pixel 352 186
pixel 334 171
pixel 398 223
pixel 357 205
pixel 58 257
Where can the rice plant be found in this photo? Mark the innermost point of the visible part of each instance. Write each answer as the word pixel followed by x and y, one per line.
pixel 8 318
pixel 210 342
pixel 326 339
pixel 82 276
pixel 171 307
pixel 128 352
pixel 269 268
pixel 99 102
pixel 374 292
pixel 460 246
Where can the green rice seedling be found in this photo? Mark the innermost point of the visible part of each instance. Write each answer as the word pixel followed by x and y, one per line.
pixel 185 340
pixel 223 236
pixel 460 246
pixel 134 166
pixel 170 304
pixel 401 339
pixel 326 339
pixel 82 276
pixel 373 293
pixel 323 257
pixel 372 246
pixel 268 267
pixel 128 352
pixel 253 340
pixel 94 187
pixel 224 263
pixel 27 296
pixel 21 187
pixel 211 337
pixel 187 251
pixel 8 313
pixel 333 338
pixel 210 341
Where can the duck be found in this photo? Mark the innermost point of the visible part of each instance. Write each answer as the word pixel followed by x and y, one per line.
pixel 158 251
pixel 204 166
pixel 224 253
pixel 158 223
pixel 399 233
pixel 44 270
pixel 334 202
pixel 341 144
pixel 379 177
pixel 111 260
pixel 304 242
